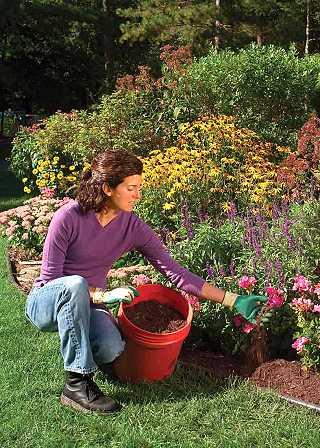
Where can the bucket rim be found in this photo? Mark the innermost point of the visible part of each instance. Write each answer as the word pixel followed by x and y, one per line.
pixel 188 319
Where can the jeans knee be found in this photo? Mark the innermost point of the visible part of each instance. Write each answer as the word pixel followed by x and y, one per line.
pixel 107 352
pixel 77 283
pixel 77 286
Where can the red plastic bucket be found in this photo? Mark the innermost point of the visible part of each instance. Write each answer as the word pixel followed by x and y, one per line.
pixel 151 356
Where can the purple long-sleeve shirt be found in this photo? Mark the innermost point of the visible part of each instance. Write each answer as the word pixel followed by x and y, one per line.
pixel 77 244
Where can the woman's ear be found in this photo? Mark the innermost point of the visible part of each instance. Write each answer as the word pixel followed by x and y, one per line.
pixel 106 189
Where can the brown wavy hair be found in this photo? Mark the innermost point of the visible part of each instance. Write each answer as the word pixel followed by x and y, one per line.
pixel 109 167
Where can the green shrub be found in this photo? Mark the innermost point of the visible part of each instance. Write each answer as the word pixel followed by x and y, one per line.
pixel 273 250
pixel 269 89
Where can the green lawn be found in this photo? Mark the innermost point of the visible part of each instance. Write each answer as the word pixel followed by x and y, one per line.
pixel 11 190
pixel 187 411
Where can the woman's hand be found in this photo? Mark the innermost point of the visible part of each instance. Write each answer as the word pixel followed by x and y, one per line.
pixel 124 294
pixel 249 306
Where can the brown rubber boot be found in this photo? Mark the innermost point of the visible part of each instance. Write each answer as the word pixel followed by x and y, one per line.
pixel 82 393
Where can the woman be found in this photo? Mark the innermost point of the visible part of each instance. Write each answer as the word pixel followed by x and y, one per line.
pixel 85 238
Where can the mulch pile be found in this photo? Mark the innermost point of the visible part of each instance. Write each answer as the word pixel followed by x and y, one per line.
pixel 154 317
pixel 288 378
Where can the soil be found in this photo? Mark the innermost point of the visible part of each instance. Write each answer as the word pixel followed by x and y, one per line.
pixel 288 378
pixel 155 317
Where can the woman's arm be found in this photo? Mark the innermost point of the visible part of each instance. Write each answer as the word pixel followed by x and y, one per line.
pixel 151 247
pixel 211 292
pixel 149 244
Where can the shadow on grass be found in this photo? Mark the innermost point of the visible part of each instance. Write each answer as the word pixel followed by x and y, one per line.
pixel 11 189
pixel 186 383
pixel 10 186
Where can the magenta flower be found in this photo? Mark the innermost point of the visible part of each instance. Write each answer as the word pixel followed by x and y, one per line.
pixel 275 297
pixel 238 320
pixel 316 289
pixel 299 343
pixel 241 323
pixel 301 284
pixel 246 282
pixel 248 327
pixel 316 309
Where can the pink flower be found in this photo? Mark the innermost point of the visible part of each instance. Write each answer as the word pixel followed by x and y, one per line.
pixel 246 282
pixel 299 343
pixel 10 231
pixel 248 327
pixel 301 284
pixel 193 300
pixel 238 320
pixel 275 297
pixel 316 309
pixel 302 305
pixel 140 279
pixel 316 289
pixel 3 219
pixel 48 192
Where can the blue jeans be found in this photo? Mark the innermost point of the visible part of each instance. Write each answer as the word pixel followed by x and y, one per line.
pixel 88 333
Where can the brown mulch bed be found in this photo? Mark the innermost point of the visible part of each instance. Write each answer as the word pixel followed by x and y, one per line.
pixel 289 379
pixel 285 377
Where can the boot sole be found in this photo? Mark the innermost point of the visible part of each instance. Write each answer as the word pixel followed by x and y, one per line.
pixel 65 401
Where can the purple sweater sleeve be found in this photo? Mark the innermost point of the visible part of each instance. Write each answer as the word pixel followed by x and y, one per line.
pixel 149 244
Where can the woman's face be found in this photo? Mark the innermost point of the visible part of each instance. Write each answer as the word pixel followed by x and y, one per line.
pixel 125 195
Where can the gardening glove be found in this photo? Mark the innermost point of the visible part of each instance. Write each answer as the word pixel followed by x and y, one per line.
pixel 249 306
pixel 124 294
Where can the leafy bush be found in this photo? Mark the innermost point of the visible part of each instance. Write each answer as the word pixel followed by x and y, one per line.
pixel 268 89
pixel 307 308
pixel 272 249
pixel 300 171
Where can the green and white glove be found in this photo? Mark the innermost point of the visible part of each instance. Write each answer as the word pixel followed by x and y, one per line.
pixel 124 294
pixel 249 306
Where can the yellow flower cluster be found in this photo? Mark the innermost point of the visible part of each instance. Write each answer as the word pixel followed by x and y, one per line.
pixel 215 156
pixel 50 173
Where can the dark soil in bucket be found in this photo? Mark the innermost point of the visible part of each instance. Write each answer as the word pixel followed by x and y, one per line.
pixel 154 317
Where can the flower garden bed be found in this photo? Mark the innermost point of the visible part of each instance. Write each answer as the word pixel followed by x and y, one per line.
pixel 286 377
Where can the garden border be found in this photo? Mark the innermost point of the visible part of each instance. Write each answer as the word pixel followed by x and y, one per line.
pixel 204 370
pixel 11 275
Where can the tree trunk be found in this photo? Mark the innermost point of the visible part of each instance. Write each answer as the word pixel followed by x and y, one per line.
pixel 107 44
pixel 217 24
pixel 259 38
pixel 306 48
